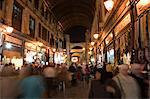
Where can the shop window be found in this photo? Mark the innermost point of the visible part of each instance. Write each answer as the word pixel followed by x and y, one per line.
pixel 32 26
pixel 50 18
pixel 42 10
pixel 1 4
pixel 64 44
pixel 36 4
pixel 44 33
pixel 46 14
pixel 39 34
pixel 17 16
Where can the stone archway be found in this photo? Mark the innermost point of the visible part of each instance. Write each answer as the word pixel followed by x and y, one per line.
pixel 72 45
pixel 77 49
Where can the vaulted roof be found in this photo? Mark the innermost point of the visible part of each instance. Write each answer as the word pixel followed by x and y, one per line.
pixel 72 13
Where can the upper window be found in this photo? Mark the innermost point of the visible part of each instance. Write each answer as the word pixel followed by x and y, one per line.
pixel 42 9
pixel 56 43
pixel 44 33
pixel 17 16
pixel 36 4
pixel 39 30
pixel 46 14
pixel 52 40
pixel 32 26
pixel 1 4
pixel 64 44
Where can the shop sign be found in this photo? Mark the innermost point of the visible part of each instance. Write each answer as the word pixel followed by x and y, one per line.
pixel 142 5
pixel 74 59
pixel 30 46
pixel 125 21
pixel 13 40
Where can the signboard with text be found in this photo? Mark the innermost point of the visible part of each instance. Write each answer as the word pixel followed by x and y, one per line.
pixel 124 22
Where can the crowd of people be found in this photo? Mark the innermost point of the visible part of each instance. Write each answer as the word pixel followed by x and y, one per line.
pixel 127 82
pixel 36 81
pixel 32 81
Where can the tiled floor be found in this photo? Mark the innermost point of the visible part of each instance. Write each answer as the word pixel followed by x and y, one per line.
pixel 76 92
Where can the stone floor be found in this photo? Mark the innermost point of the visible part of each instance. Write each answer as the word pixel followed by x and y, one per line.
pixel 75 92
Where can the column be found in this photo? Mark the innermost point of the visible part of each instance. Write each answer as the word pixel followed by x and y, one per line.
pixel 8 11
pixel 87 39
pixel 68 49
pixel 132 33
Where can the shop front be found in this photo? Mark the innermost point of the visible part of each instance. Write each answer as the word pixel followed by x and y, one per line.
pixel 142 26
pixel 51 56
pixel 101 55
pixel 110 55
pixel 35 53
pixel 12 51
pixel 30 52
pixel 123 40
pixel 58 58
pixel 41 56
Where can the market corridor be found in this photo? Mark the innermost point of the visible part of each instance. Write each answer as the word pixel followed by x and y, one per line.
pixel 74 49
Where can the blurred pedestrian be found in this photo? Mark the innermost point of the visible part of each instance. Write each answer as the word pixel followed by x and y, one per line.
pixel 1 66
pixel 99 86
pixel 87 74
pixel 73 70
pixel 127 84
pixel 50 78
pixel 136 72
pixel 8 83
pixel 32 86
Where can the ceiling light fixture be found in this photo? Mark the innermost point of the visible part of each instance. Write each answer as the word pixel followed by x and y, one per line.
pixel 92 43
pixel 96 36
pixel 109 4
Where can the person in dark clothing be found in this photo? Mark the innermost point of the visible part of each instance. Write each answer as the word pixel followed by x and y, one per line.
pixel 73 70
pixel 99 87
pixel 108 71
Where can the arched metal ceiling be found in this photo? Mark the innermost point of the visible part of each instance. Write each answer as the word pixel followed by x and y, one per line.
pixel 81 20
pixel 73 12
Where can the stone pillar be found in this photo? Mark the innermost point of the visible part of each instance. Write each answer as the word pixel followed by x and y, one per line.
pixel 67 37
pixel 132 42
pixel 87 40
pixel 8 11
pixel 25 21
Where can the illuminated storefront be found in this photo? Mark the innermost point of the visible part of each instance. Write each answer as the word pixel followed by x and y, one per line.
pixel 34 52
pixel 59 57
pixel 12 51
pixel 110 56
pixel 30 52
pixel 142 28
pixel 51 56
pixel 122 40
pixel 41 55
